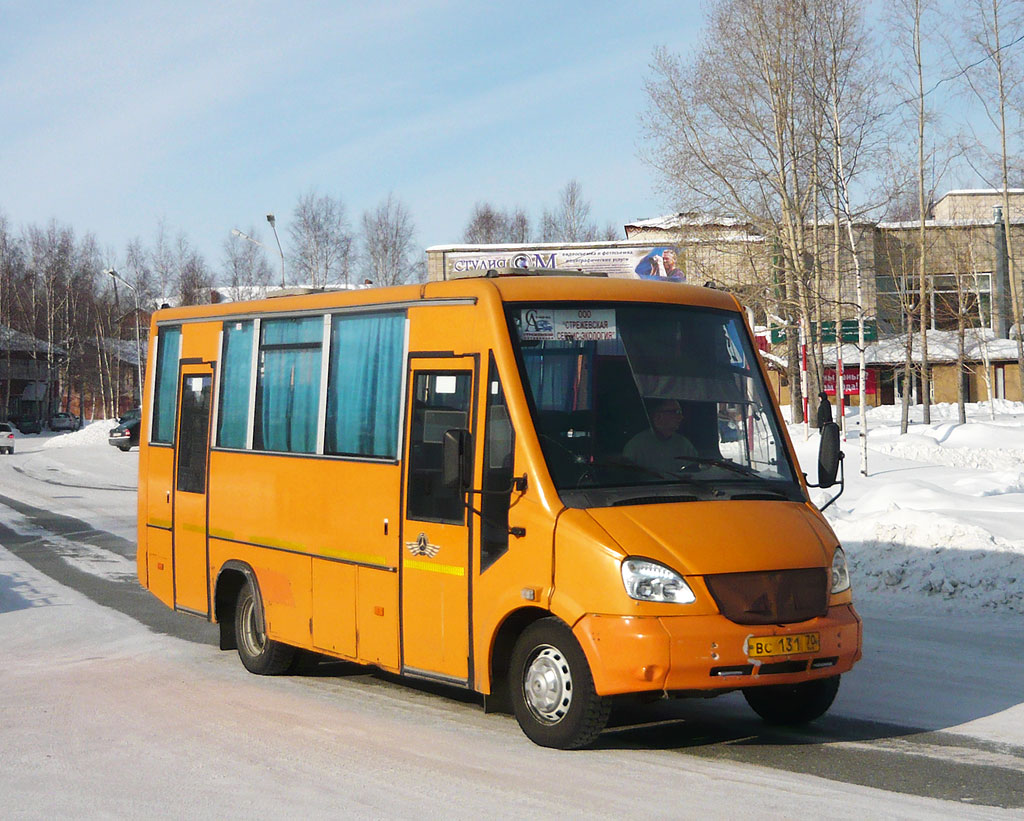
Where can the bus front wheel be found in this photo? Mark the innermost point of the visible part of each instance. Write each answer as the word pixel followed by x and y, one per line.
pixel 259 655
pixel 552 689
pixel 793 703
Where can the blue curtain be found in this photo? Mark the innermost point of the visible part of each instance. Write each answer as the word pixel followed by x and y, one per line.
pixel 288 390
pixel 552 374
pixel 364 386
pixel 233 413
pixel 165 401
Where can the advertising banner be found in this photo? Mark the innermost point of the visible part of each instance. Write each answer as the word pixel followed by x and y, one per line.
pixel 614 260
pixel 851 381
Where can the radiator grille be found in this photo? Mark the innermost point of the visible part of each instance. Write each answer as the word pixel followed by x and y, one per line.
pixel 773 597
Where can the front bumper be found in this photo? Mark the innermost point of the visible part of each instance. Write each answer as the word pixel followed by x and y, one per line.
pixel 707 653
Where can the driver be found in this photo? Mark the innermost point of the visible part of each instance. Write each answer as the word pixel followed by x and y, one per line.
pixel 659 447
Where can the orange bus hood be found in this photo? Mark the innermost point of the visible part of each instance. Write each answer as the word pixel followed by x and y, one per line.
pixel 697 538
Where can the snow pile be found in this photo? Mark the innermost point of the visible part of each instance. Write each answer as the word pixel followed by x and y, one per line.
pixel 940 515
pixel 90 434
pixel 913 553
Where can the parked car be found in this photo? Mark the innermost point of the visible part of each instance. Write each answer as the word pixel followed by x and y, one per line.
pixel 26 424
pixel 29 425
pixel 126 435
pixel 63 421
pixel 6 438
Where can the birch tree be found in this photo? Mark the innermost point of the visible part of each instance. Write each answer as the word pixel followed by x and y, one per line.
pixel 387 246
pixel 246 269
pixel 994 74
pixel 727 129
pixel 321 241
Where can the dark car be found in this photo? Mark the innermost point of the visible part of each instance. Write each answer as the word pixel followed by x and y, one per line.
pixel 26 424
pixel 63 421
pixel 126 435
pixel 6 439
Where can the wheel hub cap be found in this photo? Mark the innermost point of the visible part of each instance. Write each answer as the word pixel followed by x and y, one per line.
pixel 547 685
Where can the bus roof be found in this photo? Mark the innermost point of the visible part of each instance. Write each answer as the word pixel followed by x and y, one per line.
pixel 510 288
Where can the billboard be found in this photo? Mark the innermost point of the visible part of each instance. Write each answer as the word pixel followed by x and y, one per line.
pixel 660 262
pixel 851 381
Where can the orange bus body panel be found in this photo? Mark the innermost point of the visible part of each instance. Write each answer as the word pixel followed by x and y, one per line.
pixel 328 541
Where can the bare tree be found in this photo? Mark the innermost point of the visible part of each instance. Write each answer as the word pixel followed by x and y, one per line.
pixel 489 225
pixel 163 263
pixel 386 243
pixel 321 241
pixel 194 279
pixel 995 76
pixel 570 221
pixel 247 271
pixel 729 130
pixel 518 226
pixel 851 113
pixel 909 21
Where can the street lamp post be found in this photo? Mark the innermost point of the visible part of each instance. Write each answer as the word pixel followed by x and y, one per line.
pixel 138 336
pixel 273 225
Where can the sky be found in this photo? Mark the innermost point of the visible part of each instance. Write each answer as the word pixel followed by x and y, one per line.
pixel 117 117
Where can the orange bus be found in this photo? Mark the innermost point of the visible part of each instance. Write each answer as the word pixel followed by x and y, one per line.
pixel 551 490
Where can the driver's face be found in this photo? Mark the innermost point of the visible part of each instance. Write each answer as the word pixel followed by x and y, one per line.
pixel 666 419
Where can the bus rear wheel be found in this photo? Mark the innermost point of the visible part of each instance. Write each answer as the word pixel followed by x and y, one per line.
pixel 259 655
pixel 552 689
pixel 793 703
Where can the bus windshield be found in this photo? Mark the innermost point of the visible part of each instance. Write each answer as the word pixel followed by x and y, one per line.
pixel 638 403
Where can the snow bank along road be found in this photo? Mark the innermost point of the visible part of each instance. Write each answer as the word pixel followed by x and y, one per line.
pixel 112 704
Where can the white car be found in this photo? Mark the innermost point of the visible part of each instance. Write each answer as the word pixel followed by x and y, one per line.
pixel 6 438
pixel 63 421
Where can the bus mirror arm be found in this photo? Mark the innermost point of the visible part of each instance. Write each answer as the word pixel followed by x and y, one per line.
pixel 842 482
pixel 457 467
pixel 518 532
pixel 518 486
pixel 830 460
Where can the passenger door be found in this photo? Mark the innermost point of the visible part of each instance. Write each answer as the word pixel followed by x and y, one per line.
pixel 436 528
pixel 191 461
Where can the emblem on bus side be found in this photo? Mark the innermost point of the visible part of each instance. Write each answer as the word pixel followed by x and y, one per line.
pixel 422 547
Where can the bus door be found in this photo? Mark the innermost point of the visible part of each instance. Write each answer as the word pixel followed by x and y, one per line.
pixel 191 583
pixel 436 528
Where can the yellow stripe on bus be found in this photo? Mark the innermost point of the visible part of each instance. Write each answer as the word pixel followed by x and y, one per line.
pixel 447 569
pixel 298 547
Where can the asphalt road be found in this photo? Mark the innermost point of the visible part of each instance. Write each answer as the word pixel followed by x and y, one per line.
pixel 887 756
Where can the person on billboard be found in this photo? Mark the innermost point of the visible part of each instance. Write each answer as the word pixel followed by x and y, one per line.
pixel 661 263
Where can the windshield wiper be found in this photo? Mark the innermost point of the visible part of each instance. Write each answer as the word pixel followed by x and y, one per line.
pixel 725 464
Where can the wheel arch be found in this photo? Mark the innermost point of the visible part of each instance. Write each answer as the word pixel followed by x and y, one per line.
pixel 231 578
pixel 497 701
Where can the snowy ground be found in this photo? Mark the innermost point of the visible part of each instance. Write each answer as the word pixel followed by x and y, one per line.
pixel 940 515
pixel 101 717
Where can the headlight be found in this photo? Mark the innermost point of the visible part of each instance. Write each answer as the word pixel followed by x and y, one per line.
pixel 840 572
pixel 649 581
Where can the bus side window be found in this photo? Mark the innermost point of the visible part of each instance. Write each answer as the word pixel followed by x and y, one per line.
pixel 165 397
pixel 499 451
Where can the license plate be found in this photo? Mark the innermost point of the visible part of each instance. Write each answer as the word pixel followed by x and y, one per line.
pixel 762 646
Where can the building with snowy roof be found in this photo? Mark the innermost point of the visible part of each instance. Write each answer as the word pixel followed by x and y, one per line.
pixel 966 267
pixel 28 375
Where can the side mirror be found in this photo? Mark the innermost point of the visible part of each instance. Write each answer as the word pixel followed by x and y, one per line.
pixel 456 459
pixel 828 455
